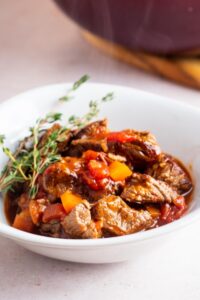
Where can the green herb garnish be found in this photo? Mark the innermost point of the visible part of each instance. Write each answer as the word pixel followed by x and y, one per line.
pixel 39 150
pixel 94 108
pixel 75 86
pixel 27 164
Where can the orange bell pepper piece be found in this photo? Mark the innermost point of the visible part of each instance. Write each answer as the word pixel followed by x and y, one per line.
pixel 70 200
pixel 119 171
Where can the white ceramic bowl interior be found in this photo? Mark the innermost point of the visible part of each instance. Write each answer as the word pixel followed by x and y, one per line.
pixel 175 125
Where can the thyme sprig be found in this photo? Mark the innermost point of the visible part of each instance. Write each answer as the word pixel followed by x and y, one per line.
pixel 43 156
pixel 74 87
pixel 94 108
pixel 40 149
pixel 27 164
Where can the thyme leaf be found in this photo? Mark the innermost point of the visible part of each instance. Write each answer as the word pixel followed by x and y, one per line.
pixel 94 108
pixel 74 87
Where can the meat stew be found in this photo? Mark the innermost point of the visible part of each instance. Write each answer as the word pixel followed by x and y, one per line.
pixel 101 184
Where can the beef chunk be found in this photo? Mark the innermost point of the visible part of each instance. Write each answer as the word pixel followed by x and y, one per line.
pixel 96 129
pixel 143 147
pixel 53 228
pixel 91 137
pixel 79 146
pixel 142 188
pixel 170 171
pixel 64 140
pixel 95 195
pixel 79 224
pixel 23 201
pixel 118 218
pixel 60 176
pixel 53 129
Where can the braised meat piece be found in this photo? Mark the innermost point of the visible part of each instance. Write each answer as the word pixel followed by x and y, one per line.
pixel 97 130
pixel 142 188
pixel 91 137
pixel 136 146
pixel 170 171
pixel 78 147
pixel 52 229
pixel 23 201
pixel 64 140
pixel 117 218
pixel 79 224
pixel 111 188
pixel 60 176
pixel 55 128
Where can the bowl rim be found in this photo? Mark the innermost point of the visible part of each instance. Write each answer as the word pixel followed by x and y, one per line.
pixel 189 218
pixel 34 239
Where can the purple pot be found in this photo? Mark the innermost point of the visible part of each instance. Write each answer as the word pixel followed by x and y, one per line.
pixel 158 26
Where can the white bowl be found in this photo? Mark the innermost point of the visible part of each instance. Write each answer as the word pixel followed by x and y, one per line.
pixel 175 125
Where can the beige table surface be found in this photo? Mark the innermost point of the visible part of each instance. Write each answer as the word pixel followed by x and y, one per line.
pixel 39 46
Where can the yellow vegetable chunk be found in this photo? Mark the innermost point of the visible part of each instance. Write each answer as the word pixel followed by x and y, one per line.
pixel 119 171
pixel 70 200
